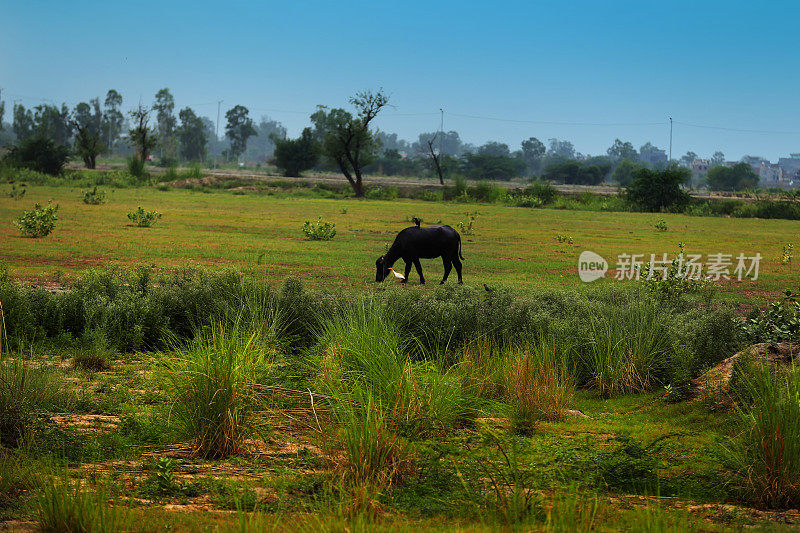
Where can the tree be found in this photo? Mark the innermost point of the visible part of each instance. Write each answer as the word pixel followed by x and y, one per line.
pixel 448 143
pixel 688 158
pixel 23 123
pixel 347 139
pixel 296 155
pixel 575 173
pixel 435 159
pixel 2 111
pixel 112 118
pixel 87 121
pixel 239 129
pixel 262 146
pixel 623 173
pixel 735 178
pixel 166 121
pixel 51 122
pixel 142 137
pixel 717 159
pixel 493 167
pixel 533 151
pixel 658 190
pixel 494 149
pixel 561 148
pixel 192 136
pixel 622 150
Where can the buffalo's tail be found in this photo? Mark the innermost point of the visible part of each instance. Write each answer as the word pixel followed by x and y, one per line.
pixel 459 248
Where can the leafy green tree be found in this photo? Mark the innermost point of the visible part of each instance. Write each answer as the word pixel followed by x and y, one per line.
pixel 164 107
pixel 717 159
pixel 238 129
pixel 448 141
pixel 2 113
pixel 141 136
pixel 562 149
pixel 296 155
pixel 262 146
pixel 533 151
pixel 574 172
pixel 23 123
pixel 688 157
pixel 52 122
pixel 112 118
pixel 735 178
pixel 347 139
pixel 658 190
pixel 192 135
pixel 493 167
pixel 494 148
pixel 622 150
pixel 623 173
pixel 87 121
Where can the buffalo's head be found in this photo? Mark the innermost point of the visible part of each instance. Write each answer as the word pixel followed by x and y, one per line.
pixel 381 269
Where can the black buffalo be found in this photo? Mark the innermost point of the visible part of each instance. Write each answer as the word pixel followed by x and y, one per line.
pixel 415 243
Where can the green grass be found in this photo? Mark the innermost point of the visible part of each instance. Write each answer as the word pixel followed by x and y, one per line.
pixel 510 246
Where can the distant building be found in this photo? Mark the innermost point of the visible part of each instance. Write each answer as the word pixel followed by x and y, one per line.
pixel 770 175
pixel 791 164
pixel 755 162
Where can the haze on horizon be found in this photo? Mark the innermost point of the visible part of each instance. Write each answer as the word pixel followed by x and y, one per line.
pixel 585 72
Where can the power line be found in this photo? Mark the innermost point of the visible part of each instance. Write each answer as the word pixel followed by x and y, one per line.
pixel 557 123
pixel 739 130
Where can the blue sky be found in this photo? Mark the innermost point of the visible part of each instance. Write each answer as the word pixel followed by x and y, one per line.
pixel 606 69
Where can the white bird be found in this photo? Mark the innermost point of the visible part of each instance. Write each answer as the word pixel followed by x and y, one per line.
pixel 398 275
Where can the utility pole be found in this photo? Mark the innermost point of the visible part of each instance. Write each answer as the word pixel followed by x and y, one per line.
pixel 670 139
pixel 216 132
pixel 441 131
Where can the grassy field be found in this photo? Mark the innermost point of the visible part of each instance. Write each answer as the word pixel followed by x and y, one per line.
pixel 139 400
pixel 509 245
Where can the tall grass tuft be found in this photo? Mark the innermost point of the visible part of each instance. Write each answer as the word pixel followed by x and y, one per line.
pixel 626 347
pixel 541 384
pixel 214 381
pixel 26 390
pixel 363 347
pixel 768 452
pixel 65 506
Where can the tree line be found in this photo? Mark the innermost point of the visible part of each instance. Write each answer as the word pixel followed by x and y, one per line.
pixel 338 139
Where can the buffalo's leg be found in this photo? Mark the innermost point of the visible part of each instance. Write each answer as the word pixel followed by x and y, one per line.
pixel 408 271
pixel 457 264
pixel 447 266
pixel 419 271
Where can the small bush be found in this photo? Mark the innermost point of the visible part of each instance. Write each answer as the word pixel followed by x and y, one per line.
pixel 786 256
pixel 542 190
pixel 38 222
pixel 144 219
pixel 661 225
pixel 17 194
pixel 319 231
pixel 94 197
pixel 564 239
pixel 383 193
pixel 777 323
pixel 467 228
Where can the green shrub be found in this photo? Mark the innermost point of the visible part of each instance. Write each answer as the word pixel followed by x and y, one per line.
pixel 136 167
pixel 213 386
pixel 94 197
pixel 171 174
pixel 661 225
pixel 383 193
pixel 467 228
pixel 38 222
pixel 675 279
pixel 542 190
pixel 658 190
pixel 319 231
pixel 525 200
pixel 66 506
pixel 39 155
pixel 144 219
pixel 777 323
pixel 768 451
